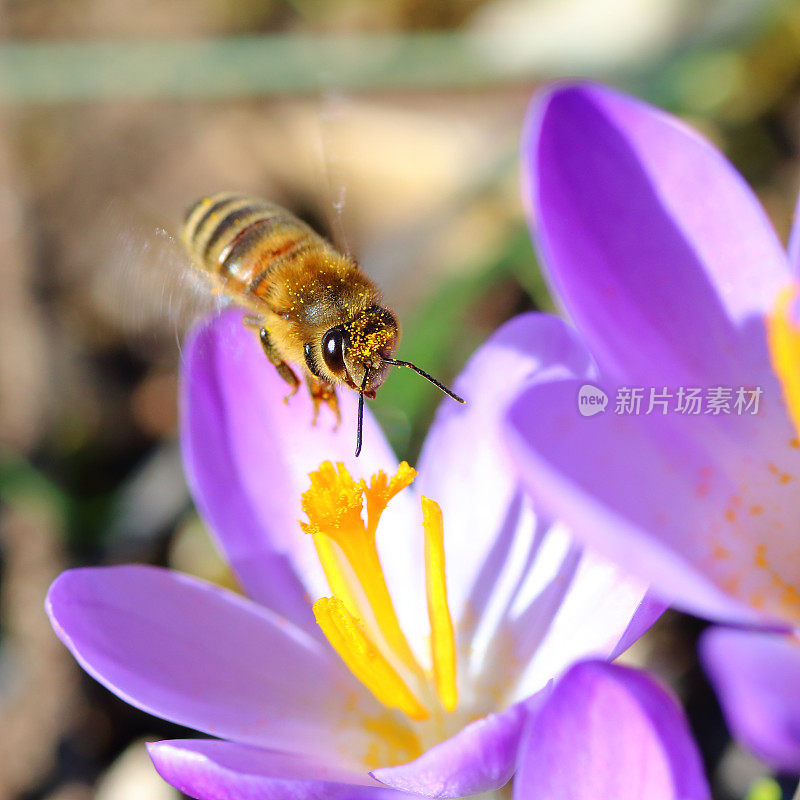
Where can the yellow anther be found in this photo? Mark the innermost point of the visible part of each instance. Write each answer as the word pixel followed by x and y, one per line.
pixel 443 643
pixel 364 660
pixel 334 506
pixel 333 503
pixel 381 491
pixel 783 333
pixel 349 556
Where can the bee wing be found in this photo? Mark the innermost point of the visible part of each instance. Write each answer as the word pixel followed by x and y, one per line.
pixel 149 288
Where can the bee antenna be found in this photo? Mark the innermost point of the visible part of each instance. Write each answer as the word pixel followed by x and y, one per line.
pixel 397 363
pixel 360 427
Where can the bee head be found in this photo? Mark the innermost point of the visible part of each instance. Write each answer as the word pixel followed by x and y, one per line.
pixel 360 351
pixel 356 350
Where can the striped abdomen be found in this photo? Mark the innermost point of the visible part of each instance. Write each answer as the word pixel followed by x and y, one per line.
pixel 240 240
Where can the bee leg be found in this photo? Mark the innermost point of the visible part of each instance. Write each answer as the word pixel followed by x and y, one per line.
pixel 322 392
pixel 284 370
pixel 287 373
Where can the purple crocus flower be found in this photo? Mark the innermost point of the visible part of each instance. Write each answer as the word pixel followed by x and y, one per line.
pixel 608 732
pixel 445 661
pixel 668 266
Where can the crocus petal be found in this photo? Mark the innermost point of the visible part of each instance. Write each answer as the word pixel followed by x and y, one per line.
pixel 212 770
pixel 648 612
pixel 463 465
pixel 521 590
pixel 573 604
pixel 248 454
pixel 657 248
pixel 644 493
pixel 609 733
pixel 794 239
pixel 757 679
pixel 206 658
pixel 479 758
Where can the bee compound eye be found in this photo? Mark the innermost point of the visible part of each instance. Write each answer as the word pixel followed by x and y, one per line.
pixel 333 350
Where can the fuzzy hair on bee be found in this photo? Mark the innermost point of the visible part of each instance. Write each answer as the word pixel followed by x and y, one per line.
pixel 311 305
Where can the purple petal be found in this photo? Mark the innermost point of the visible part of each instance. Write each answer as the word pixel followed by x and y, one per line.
pixel 648 612
pixel 582 607
pixel 206 658
pixel 609 733
pixel 521 590
pixel 645 493
pixel 248 454
pixel 480 758
pixel 214 770
pixel 757 678
pixel 794 240
pixel 659 251
pixel 463 465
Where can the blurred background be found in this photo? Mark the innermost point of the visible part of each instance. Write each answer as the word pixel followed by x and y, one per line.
pixel 389 124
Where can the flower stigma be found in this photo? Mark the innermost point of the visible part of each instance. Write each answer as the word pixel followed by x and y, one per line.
pixel 359 619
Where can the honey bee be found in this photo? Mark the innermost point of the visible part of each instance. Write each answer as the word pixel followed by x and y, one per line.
pixel 309 304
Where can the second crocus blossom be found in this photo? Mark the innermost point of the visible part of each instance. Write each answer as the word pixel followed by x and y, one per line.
pixel 665 261
pixel 608 732
pixel 400 638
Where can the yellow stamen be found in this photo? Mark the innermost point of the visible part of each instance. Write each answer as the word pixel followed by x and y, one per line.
pixel 783 334
pixel 347 637
pixel 381 491
pixel 378 654
pixel 334 506
pixel 443 644
pixel 333 502
pixel 334 565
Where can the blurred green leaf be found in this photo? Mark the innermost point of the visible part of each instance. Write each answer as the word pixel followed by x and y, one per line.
pixel 85 518
pixel 245 66
pixel 20 479
pixel 301 62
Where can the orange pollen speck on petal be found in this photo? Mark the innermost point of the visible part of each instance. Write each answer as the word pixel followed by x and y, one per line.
pixel 720 552
pixel 791 597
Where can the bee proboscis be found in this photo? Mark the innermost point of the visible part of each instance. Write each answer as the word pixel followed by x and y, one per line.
pixel 310 304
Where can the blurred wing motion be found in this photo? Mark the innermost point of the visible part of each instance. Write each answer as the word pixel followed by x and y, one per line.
pixel 148 287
